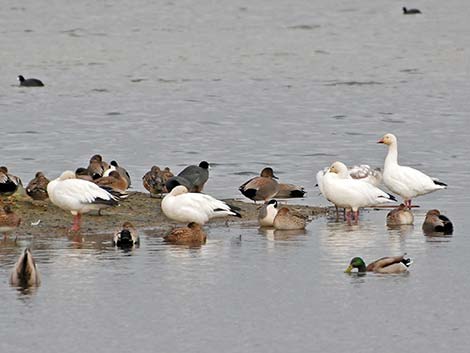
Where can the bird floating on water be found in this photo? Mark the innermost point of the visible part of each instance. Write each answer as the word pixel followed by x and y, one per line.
pixel 385 265
pixel 435 222
pixel 30 82
pixel 127 236
pixel 25 273
pixel 410 11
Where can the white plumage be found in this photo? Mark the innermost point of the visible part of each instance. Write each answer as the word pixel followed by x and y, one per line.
pixel 405 181
pixel 340 189
pixel 183 206
pixel 78 196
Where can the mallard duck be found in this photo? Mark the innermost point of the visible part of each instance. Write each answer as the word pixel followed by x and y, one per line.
pixel 261 188
pixel 9 220
pixel 127 236
pixel 435 222
pixel 194 177
pixel 390 264
pixel 289 220
pixel 30 82
pixel 183 206
pixel 192 234
pixel 400 216
pixel 37 187
pixel 155 179
pixel 25 273
pixel 267 213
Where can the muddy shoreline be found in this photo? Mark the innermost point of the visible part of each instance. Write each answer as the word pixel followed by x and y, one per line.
pixel 139 208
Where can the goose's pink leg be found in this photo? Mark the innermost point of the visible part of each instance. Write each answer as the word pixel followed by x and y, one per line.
pixel 348 216
pixel 76 222
pixel 356 216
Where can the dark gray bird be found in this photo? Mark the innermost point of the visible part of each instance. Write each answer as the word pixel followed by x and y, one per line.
pixel 37 187
pixel 193 177
pixel 410 11
pixel 30 82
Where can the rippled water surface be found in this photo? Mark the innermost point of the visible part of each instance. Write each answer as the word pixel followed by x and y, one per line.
pixel 242 84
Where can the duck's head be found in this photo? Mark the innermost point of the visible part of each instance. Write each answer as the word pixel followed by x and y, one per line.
pixel 3 169
pixel 114 163
pixel 179 190
pixel 21 78
pixel 272 203
pixel 114 174
pixel 194 226
pixel 283 211
pixel 433 213
pixel 268 172
pixel 96 158
pixel 388 139
pixel 127 225
pixel 358 263
pixel 155 169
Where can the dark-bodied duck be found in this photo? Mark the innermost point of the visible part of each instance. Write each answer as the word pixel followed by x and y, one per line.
pixel 192 234
pixel 289 191
pixel 37 187
pixel 386 265
pixel 410 11
pixel 96 166
pixel 435 222
pixel 8 182
pixel 25 273
pixel 155 179
pixel 261 188
pixel 194 177
pixel 30 82
pixel 127 236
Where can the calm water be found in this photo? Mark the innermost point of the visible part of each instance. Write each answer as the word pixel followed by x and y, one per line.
pixel 295 85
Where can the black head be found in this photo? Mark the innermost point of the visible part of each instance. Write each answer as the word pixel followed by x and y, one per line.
pixel 126 237
pixel 404 9
pixel 81 171
pixel 21 78
pixel 273 202
pixel 204 165
pixel 114 163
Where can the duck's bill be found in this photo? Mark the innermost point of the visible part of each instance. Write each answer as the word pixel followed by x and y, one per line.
pixel 349 269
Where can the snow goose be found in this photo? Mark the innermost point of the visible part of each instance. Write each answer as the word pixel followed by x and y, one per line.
pixel 25 273
pixel 127 236
pixel 183 206
pixel 343 191
pixel 267 213
pixel 261 188
pixel 405 181
pixel 193 234
pixel 385 265
pixel 78 196
pixel 37 187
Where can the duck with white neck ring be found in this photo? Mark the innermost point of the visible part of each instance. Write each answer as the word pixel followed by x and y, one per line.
pixel 405 181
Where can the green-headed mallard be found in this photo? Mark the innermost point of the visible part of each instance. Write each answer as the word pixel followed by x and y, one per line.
pixel 389 264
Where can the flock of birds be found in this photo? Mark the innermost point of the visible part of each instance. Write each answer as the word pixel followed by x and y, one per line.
pixel 103 185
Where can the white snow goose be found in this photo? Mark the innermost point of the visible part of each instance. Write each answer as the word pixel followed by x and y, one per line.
pixel 78 196
pixel 405 181
pixel 340 189
pixel 183 206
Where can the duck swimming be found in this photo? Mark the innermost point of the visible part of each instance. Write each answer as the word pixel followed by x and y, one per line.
pixel 385 265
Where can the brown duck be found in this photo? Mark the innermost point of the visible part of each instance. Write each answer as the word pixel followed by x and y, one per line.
pixel 192 234
pixel 37 187
pixel 261 188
